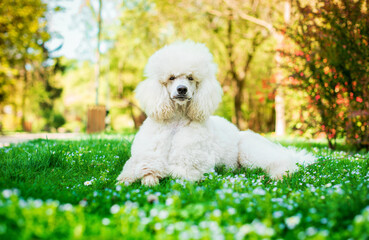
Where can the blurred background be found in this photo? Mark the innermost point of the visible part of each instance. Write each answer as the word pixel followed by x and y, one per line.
pixel 295 68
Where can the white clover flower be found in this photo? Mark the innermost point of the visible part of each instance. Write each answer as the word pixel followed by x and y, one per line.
pixel 310 231
pixel 184 235
pixel 170 229
pixel 154 212
pixel 114 209
pixel 7 193
pixel 231 211
pixel 163 214
pixel 105 221
pixel 293 221
pixel 157 226
pixel 49 211
pixel 180 226
pixel 21 203
pixel 278 214
pixel 145 221
pixel 169 201
pixel 259 191
pixel 66 207
pixel 83 203
pixel 217 213
pixel 261 229
pixel 37 203
pixel 243 231
pixel 118 188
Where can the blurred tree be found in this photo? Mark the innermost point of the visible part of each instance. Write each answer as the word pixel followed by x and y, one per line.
pixel 243 49
pixel 96 15
pixel 24 60
pixel 238 44
pixel 331 65
pixel 142 31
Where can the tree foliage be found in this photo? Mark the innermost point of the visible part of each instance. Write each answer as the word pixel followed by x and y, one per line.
pixel 25 69
pixel 243 50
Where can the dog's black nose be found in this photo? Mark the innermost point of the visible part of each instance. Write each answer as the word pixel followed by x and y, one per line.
pixel 182 90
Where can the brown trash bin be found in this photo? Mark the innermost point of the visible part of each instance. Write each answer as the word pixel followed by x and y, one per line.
pixel 27 126
pixel 96 118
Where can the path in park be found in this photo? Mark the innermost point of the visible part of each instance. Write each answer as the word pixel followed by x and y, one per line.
pixel 23 137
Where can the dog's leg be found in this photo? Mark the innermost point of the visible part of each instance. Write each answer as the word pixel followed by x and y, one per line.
pixel 149 171
pixel 190 167
pixel 127 176
pixel 185 172
pixel 151 174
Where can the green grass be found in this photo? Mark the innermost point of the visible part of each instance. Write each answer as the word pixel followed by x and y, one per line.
pixel 43 196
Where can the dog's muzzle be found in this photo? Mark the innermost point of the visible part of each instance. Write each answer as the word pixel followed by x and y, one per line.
pixel 181 93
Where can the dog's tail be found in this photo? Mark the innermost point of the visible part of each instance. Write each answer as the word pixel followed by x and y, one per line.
pixel 256 151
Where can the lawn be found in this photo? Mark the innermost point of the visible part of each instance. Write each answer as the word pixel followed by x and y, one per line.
pixel 66 190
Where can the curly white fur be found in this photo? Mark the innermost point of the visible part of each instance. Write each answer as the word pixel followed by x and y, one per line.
pixel 179 138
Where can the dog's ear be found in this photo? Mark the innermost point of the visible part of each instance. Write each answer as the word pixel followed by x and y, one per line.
pixel 205 100
pixel 154 99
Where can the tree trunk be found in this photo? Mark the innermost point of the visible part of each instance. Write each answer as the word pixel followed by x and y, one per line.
pixel 97 65
pixel 24 95
pixel 280 121
pixel 238 90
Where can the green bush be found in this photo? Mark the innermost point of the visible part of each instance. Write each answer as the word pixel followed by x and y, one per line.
pixel 331 65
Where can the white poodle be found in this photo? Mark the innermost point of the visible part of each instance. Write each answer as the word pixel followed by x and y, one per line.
pixel 179 138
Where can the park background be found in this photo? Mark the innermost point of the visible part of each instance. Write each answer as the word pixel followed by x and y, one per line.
pixel 296 68
pixel 293 68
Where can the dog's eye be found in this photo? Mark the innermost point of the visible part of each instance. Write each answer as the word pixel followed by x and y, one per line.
pixel 190 78
pixel 172 78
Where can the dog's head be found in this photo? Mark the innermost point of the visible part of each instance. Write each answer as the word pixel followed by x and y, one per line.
pixel 180 74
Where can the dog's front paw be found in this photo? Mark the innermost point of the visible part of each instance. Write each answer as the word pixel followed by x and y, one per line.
pixel 150 180
pixel 124 180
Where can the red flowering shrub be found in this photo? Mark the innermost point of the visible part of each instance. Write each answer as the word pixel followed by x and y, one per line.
pixel 332 65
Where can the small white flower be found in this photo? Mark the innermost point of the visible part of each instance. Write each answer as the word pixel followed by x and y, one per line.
pixel 154 212
pixel 83 203
pixel 163 214
pixel 243 231
pixel 311 231
pixel 114 209
pixel 21 203
pixel 231 211
pixel 169 201
pixel 7 193
pixel 261 229
pixel 88 183
pixel 106 221
pixel 37 203
pixel 293 221
pixel 66 207
pixel 259 191
pixel 157 226
pixel 49 211
pixel 277 214
pixel 118 188
pixel 170 229
pixel 217 213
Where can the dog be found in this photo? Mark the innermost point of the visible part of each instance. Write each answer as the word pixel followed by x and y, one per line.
pixel 180 138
